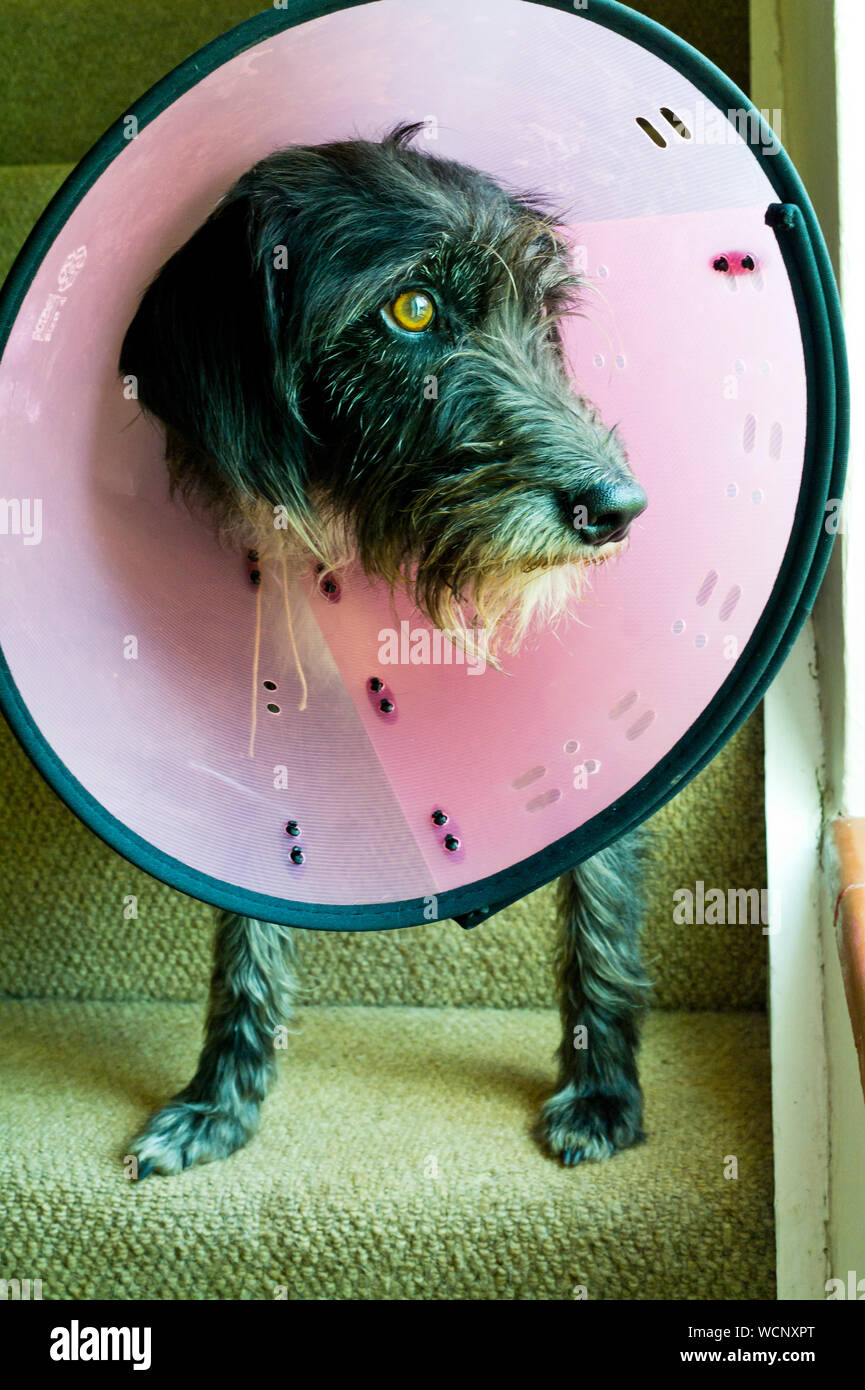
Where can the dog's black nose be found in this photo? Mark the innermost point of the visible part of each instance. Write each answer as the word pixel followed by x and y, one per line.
pixel 604 512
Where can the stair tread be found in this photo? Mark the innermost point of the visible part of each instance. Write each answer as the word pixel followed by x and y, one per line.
pixel 335 1198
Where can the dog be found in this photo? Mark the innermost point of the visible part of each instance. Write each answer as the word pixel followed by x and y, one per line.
pixel 287 348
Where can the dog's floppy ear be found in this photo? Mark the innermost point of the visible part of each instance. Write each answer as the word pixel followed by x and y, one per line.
pixel 209 353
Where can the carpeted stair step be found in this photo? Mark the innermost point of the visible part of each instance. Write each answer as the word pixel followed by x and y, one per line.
pixel 395 1162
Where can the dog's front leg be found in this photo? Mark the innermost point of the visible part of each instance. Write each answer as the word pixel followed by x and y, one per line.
pixel 598 1105
pixel 251 993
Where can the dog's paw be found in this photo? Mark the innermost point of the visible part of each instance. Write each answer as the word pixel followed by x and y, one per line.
pixel 185 1133
pixel 581 1127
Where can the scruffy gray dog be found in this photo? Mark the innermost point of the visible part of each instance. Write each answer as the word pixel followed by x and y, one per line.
pixel 296 380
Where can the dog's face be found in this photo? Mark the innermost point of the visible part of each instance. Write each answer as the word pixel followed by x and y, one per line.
pixel 367 338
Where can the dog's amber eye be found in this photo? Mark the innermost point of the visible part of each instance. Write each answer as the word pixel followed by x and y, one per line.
pixel 412 310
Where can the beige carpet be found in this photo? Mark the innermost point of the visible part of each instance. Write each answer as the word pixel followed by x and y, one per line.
pixel 395 1162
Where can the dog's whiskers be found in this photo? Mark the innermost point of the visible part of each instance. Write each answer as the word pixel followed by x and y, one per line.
pixel 255 663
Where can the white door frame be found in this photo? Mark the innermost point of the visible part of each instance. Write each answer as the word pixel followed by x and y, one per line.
pixel 804 57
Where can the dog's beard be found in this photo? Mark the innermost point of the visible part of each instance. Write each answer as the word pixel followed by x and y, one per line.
pixel 506 599
pixel 510 606
pixel 499 559
pixel 488 569
pixel 489 591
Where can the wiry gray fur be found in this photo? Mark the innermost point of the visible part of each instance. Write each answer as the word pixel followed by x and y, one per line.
pixel 252 993
pixel 598 1105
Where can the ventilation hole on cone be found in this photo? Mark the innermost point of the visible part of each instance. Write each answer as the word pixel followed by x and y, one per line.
pixel 274 709
pixel 622 706
pixel 730 602
pixel 678 627
pixel 676 122
pixel 654 135
pixel 732 489
pixel 269 685
pixel 641 725
pixel 328 587
pixel 546 798
pixel 757 496
pixel 776 440
pixel 572 746
pixel 700 640
pixel 620 361
pixel 598 359
pixel 749 433
pixel 704 593
pixel 526 778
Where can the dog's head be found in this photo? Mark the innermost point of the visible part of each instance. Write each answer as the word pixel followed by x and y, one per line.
pixel 367 338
